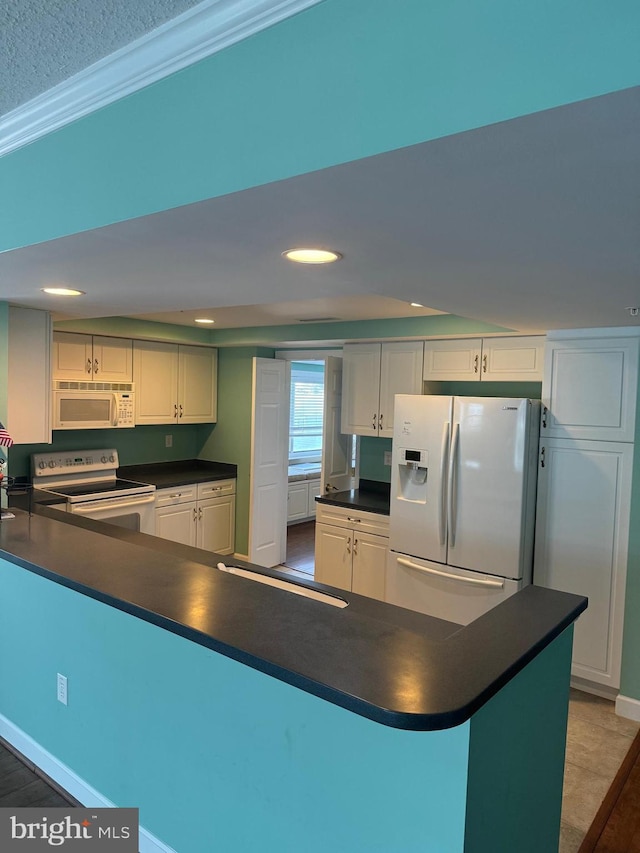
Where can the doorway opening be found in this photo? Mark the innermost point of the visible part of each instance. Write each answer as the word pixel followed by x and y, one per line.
pixel 306 433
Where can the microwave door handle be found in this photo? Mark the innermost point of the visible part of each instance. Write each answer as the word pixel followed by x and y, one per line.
pixel 114 419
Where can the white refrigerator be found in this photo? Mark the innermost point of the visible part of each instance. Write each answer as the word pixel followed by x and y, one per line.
pixel 463 491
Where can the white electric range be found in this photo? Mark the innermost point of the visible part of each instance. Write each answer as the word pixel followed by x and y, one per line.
pixel 87 480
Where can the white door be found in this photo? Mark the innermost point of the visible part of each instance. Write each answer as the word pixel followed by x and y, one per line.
pixel 418 521
pixel 197 380
pixel 582 531
pixel 269 462
pixel 333 555
pixel 155 373
pixel 369 564
pixel 489 468
pixel 177 523
pixel 452 360
pixel 336 446
pixel 216 524
pixel 112 359
pixel 72 356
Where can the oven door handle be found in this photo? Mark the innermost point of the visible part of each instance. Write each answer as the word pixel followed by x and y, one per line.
pixel 119 503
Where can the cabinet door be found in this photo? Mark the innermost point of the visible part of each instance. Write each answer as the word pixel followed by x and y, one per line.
pixel 582 528
pixel 112 359
pixel 72 357
pixel 197 381
pixel 155 373
pixel 297 500
pixel 217 524
pixel 513 359
pixel 177 523
pixel 400 373
pixel 457 360
pixel 361 388
pixel 369 564
pixel 589 389
pixel 333 556
pixel 315 490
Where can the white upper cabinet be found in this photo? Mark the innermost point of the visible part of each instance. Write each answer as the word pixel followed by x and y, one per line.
pixel 174 383
pixel 453 360
pixel 509 359
pixel 590 388
pixel 372 375
pixel 93 358
pixel 29 376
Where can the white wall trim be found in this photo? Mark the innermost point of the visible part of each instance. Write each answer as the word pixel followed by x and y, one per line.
pixel 200 32
pixel 70 781
pixel 628 707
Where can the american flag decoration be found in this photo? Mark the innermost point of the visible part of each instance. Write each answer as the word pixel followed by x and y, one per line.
pixel 5 438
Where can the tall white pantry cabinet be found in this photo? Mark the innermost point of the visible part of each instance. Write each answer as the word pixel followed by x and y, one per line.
pixel 584 487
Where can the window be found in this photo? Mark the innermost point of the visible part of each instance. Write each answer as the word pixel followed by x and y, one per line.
pixel 306 412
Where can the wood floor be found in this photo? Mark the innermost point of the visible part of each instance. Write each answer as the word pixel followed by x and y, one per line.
pixel 301 546
pixel 20 786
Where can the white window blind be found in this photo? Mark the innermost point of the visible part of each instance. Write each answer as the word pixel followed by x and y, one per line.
pixel 306 410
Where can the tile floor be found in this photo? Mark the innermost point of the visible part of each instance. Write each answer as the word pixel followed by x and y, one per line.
pixel 597 742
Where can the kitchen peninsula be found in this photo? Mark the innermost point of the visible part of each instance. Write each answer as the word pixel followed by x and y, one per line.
pixel 241 717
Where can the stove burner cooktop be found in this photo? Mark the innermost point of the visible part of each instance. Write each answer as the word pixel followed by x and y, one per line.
pixel 99 489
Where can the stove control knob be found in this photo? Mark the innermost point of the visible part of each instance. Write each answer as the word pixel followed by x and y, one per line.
pixel 111 458
pixel 52 464
pixel 103 459
pixel 42 464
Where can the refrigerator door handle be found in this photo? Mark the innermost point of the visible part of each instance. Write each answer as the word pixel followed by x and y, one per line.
pixel 449 575
pixel 444 453
pixel 452 497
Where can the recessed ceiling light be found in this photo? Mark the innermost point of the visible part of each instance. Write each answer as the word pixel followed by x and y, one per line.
pixel 311 256
pixel 416 305
pixel 203 320
pixel 62 291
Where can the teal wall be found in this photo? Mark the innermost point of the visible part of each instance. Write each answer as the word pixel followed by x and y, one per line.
pixel 630 675
pixel 129 327
pixel 381 77
pixel 135 446
pixel 4 373
pixel 371 459
pixel 218 757
pixel 516 756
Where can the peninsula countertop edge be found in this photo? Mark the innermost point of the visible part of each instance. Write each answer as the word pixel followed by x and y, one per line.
pixel 361 658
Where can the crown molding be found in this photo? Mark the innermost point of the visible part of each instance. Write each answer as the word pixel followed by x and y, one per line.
pixel 200 32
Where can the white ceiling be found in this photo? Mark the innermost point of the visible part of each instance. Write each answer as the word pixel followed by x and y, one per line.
pixel 532 224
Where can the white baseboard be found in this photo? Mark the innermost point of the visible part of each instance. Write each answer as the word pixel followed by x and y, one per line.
pixel 594 688
pixel 70 781
pixel 244 557
pixel 629 708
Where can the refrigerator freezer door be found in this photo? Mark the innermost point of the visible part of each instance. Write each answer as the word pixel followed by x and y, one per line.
pixel 443 591
pixel 418 517
pixel 490 502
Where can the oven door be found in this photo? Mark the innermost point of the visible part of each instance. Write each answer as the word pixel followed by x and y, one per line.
pixel 134 512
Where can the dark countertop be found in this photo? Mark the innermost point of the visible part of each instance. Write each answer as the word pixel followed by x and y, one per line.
pixel 361 657
pixel 371 496
pixel 168 474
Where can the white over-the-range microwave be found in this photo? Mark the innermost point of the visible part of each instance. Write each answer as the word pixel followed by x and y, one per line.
pixel 93 405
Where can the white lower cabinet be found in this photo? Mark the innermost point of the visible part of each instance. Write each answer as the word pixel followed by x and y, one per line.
pixel 201 514
pixel 351 550
pixel 301 500
pixel 582 530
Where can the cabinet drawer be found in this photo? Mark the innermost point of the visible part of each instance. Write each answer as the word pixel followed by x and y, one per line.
pixel 177 495
pixel 216 489
pixel 364 522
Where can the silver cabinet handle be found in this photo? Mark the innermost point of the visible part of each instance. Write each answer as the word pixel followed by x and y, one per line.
pixel 199 513
pixel 349 545
pixel 475 363
pixel 175 410
pixel 544 417
pixel 484 363
pixel 177 495
pixel 95 366
pixel 354 520
pixel 89 365
pixel 542 462
pixel 355 547
pixel 195 514
pixel 373 426
pixel 380 421
pixel 180 409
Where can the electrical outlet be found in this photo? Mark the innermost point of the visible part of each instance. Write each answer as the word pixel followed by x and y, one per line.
pixel 168 441
pixel 387 457
pixel 62 689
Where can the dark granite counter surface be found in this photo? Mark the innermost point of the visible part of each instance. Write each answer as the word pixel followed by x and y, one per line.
pixel 371 496
pixel 361 657
pixel 168 474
